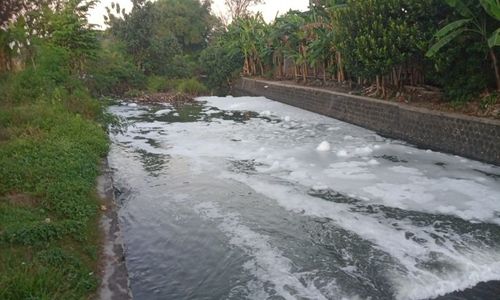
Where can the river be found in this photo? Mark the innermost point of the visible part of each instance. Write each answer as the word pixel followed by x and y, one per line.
pixel 247 198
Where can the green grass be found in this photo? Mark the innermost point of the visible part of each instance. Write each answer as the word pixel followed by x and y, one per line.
pixel 192 87
pixel 49 235
pixel 189 86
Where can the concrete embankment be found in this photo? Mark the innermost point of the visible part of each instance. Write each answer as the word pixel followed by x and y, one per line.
pixel 467 136
pixel 115 282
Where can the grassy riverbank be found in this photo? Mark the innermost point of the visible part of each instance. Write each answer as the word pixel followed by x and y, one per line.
pixel 49 235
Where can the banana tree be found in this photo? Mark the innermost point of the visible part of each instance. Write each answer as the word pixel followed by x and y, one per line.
pixel 472 23
pixel 279 38
pixel 252 38
pixel 289 29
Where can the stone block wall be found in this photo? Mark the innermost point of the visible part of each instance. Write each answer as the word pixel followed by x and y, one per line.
pixel 471 137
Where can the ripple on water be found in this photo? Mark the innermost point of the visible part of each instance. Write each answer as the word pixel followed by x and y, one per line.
pixel 217 203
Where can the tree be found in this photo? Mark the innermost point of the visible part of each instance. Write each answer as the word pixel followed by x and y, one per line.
pixel 190 21
pixel 135 29
pixel 70 30
pixel 239 8
pixel 158 35
pixel 61 22
pixel 385 40
pixel 13 13
pixel 221 63
pixel 481 23
pixel 10 10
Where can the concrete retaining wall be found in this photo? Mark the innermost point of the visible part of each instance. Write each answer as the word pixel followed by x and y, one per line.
pixel 471 137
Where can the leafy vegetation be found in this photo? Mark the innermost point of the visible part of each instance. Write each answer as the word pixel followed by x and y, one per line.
pixel 49 242
pixel 192 87
pixel 52 140
pixel 483 22
pixel 53 63
pixel 388 44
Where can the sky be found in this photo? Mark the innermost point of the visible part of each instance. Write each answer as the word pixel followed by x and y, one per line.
pixel 269 9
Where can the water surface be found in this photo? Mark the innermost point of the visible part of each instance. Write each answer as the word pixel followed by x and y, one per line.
pixel 228 198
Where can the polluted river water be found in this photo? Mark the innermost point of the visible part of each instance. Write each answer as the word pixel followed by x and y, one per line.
pixel 247 198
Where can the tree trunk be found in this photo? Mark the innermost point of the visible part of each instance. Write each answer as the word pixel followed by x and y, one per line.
pixel 245 66
pixel 341 76
pixel 304 72
pixel 377 78
pixel 261 66
pixel 383 87
pixel 495 67
pixel 324 71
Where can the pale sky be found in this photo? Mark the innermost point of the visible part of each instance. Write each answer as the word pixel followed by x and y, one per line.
pixel 269 9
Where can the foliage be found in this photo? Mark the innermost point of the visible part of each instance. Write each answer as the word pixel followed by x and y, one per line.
pixel 51 145
pixel 370 42
pixel 113 72
pixel 192 87
pixel 386 39
pixel 189 21
pixel 462 79
pixel 221 64
pixel 158 84
pixel 483 23
pixel 49 160
pixel 48 79
pixel 70 30
pixel 239 8
pixel 163 36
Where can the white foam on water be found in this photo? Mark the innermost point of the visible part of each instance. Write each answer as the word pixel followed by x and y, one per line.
pixel 355 170
pixel 376 170
pixel 470 266
pixel 324 146
pixel 267 263
pixel 417 185
pixel 163 112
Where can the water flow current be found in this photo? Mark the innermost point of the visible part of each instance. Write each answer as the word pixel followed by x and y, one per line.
pixel 247 198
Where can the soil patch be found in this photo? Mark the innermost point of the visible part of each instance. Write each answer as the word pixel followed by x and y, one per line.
pixel 22 200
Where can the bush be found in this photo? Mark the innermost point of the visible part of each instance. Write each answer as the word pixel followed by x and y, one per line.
pixel 113 73
pixel 220 67
pixel 158 84
pixel 463 70
pixel 377 37
pixel 48 78
pixel 192 87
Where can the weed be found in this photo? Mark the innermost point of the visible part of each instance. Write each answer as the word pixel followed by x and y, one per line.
pixel 192 86
pixel 48 209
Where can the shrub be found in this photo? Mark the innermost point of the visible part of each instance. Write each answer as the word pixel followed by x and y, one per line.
pixel 220 66
pixel 192 86
pixel 113 73
pixel 158 84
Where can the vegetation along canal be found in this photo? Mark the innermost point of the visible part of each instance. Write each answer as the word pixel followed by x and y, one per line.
pixel 246 198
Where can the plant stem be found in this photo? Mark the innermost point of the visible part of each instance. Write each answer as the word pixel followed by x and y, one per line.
pixel 495 67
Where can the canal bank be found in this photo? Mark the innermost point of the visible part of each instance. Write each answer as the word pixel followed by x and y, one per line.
pixel 467 136
pixel 114 274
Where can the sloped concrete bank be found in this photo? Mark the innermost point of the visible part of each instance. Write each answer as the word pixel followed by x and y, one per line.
pixel 471 137
pixel 115 283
